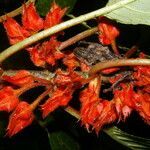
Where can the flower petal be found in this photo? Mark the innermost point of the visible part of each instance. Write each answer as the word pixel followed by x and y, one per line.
pixel 30 18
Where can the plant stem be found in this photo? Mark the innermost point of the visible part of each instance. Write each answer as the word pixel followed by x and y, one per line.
pixel 131 51
pixel 26 88
pixel 14 12
pixel 38 100
pixel 45 33
pixel 77 38
pixel 83 23
pixel 117 63
pixel 114 47
pixel 42 74
pixel 72 112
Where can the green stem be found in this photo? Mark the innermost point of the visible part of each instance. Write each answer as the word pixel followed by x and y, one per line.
pixel 26 88
pixel 73 112
pixel 117 63
pixel 77 38
pixel 83 23
pixel 40 98
pixel 14 12
pixel 43 34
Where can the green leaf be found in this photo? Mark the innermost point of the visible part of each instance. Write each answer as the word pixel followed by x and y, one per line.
pixel 61 140
pixel 43 6
pixel 137 12
pixel 128 140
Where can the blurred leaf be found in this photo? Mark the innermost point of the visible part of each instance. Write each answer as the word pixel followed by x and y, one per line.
pixel 45 122
pixel 43 6
pixel 137 12
pixel 128 140
pixel 61 140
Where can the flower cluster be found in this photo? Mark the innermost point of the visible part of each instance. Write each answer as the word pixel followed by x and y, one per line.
pixel 47 52
pixel 96 112
pixel 11 102
pixel 128 95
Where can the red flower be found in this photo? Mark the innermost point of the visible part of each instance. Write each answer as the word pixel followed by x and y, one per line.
pixel 46 53
pixel 54 16
pixel 70 61
pixel 142 105
pixel 8 99
pixel 30 18
pixel 32 22
pixel 108 31
pixel 123 101
pixel 20 118
pixel 89 106
pixel 15 32
pixel 96 112
pixel 107 114
pixel 68 78
pixel 84 67
pixel 60 97
pixel 142 75
pixel 35 56
pixel 21 78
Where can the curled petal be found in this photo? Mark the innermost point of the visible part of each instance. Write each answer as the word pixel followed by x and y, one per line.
pixel 51 52
pixel 89 106
pixel 15 32
pixel 107 115
pixel 67 78
pixel 35 56
pixel 21 78
pixel 46 53
pixel 142 103
pixel 60 97
pixel 142 75
pixel 71 61
pixel 96 112
pixel 108 31
pixel 8 99
pixel 30 18
pixel 90 101
pixel 54 16
pixel 123 101
pixel 20 118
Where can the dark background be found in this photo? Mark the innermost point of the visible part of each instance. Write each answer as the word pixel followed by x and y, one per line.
pixel 35 137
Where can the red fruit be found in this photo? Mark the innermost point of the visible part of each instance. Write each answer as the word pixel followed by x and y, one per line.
pixel 108 31
pixel 8 99
pixel 30 18
pixel 20 118
pixel 15 32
